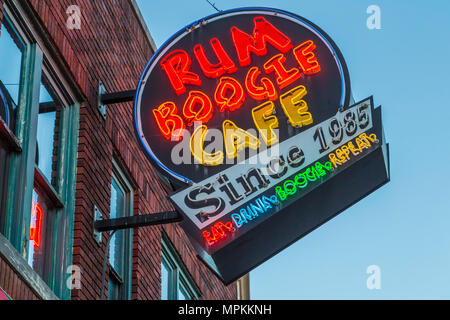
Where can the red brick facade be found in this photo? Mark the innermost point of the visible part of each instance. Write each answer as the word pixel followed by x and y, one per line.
pixel 113 48
pixel 13 284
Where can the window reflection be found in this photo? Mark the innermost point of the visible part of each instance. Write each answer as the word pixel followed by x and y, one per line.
pixel 11 51
pixel 4 178
pixel 118 209
pixel 46 131
pixel 176 284
pixel 164 281
pixel 182 295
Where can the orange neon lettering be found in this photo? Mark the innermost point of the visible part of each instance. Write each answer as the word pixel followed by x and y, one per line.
pixel 198 107
pixel 284 77
pixel 306 58
pixel 209 240
pixel 218 232
pixel 263 32
pixel 225 65
pixel 264 92
pixel 176 65
pixel 170 124
pixel 229 94
pixel 35 231
pixel 225 226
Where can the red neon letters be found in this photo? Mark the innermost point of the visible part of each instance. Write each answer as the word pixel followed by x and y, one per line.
pixel 198 107
pixel 266 91
pixel 176 65
pixel 306 57
pixel 170 124
pixel 225 65
pixel 35 231
pixel 229 94
pixel 284 77
pixel 263 32
pixel 218 232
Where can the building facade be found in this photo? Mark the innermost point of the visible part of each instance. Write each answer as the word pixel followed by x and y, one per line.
pixel 65 159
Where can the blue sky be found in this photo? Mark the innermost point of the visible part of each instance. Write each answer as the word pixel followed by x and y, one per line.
pixel 403 227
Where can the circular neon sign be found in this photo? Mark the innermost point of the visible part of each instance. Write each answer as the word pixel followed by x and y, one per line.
pixel 233 83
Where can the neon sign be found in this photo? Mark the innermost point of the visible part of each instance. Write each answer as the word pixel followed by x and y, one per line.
pixel 230 94
pixel 209 74
pixel 248 112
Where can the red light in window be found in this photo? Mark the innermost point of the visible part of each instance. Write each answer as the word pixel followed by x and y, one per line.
pixel 35 231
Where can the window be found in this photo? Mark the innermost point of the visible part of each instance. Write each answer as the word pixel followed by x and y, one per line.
pixel 120 246
pixel 176 282
pixel 38 149
pixel 46 149
pixel 40 244
pixel 11 56
pixel 46 202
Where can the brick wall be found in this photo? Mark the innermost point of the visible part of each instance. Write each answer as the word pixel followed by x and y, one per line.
pixel 112 47
pixel 13 284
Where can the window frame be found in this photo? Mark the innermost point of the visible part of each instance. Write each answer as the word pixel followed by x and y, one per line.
pixel 127 187
pixel 39 58
pixel 179 276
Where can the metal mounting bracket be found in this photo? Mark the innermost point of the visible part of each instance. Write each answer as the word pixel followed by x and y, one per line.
pixel 97 217
pixel 137 221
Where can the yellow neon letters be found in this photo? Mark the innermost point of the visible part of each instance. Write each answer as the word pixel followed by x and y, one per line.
pixel 295 108
pixel 342 155
pixel 197 150
pixel 266 122
pixel 237 139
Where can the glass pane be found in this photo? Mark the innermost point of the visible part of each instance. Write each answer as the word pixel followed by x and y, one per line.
pixel 4 171
pixel 113 290
pixel 182 295
pixel 117 210
pixel 165 272
pixel 40 244
pixel 46 152
pixel 11 49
